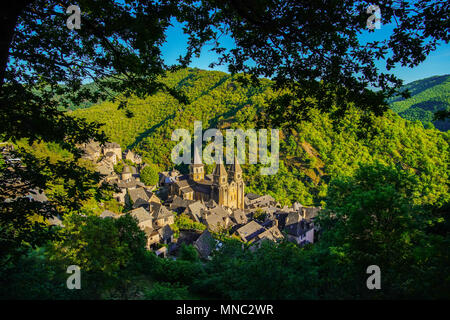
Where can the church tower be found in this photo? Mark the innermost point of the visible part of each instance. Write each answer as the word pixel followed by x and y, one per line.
pixel 220 184
pixel 197 169
pixel 236 176
pixel 197 172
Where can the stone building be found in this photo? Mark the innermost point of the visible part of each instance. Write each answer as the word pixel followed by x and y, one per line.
pixel 225 188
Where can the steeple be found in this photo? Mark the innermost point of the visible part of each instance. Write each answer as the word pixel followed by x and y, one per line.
pixel 220 174
pixel 235 170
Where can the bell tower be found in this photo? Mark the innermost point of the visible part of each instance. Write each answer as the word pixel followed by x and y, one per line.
pixel 220 184
pixel 197 169
pixel 236 176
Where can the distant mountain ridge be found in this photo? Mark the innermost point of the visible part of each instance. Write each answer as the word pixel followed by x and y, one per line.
pixel 427 96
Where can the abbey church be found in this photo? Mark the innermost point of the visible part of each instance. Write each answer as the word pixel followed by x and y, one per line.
pixel 225 188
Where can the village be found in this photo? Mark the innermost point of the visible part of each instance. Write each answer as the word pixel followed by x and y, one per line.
pixel 217 202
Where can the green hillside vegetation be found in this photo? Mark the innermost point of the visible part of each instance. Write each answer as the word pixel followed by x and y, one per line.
pixel 309 155
pixel 427 96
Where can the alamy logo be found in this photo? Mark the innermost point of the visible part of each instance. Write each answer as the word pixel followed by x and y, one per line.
pixel 74 281
pixel 374 21
pixel 74 21
pixel 213 152
pixel 374 281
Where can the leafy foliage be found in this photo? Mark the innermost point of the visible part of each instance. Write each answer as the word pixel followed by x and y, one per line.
pixel 166 291
pixel 110 252
pixel 149 175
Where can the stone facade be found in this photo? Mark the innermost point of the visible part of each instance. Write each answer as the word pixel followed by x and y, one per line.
pixel 225 188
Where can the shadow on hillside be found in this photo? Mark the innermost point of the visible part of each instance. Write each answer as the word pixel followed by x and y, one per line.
pixel 442 125
pixel 430 105
pixel 213 123
pixel 189 81
pixel 419 86
pixel 149 131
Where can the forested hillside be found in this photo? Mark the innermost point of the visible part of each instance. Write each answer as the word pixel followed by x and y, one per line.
pixel 310 155
pixel 427 96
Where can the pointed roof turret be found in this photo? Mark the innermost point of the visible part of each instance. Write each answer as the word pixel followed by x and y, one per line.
pixel 236 170
pixel 220 170
pixel 220 173
pixel 197 157
pixel 235 167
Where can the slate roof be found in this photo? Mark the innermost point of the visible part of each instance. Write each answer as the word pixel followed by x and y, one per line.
pixel 103 169
pixel 297 206
pixel 220 211
pixel 141 203
pixel 235 167
pixel 179 202
pixel 239 216
pixel 252 196
pixel 146 224
pixel 187 190
pixel 210 204
pixel 149 232
pixel 266 234
pixel 184 183
pixel 165 232
pixel 250 230
pixel 140 214
pixel 168 177
pixel 129 184
pixel 276 232
pixel 140 193
pixel 263 200
pixel 159 211
pixel 196 209
pixel 205 244
pixel 292 218
pixel 215 222
pixel 299 228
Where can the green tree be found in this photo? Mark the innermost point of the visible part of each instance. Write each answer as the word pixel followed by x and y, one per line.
pixel 118 168
pixel 372 220
pixel 166 291
pixel 149 175
pixel 110 253
pixel 188 252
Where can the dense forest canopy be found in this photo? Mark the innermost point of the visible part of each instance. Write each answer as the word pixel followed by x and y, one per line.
pixel 428 96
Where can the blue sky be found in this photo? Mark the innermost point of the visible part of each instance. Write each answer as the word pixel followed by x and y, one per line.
pixel 437 63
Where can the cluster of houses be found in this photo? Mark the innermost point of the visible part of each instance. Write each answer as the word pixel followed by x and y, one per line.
pixel 215 200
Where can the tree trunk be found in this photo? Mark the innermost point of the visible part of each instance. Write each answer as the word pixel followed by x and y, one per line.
pixel 8 19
